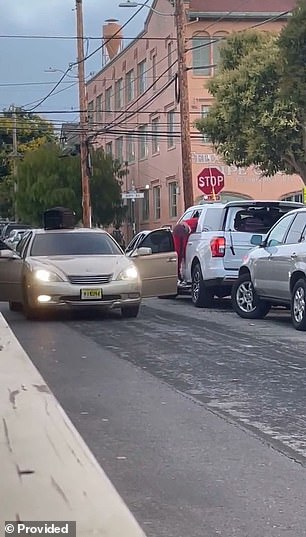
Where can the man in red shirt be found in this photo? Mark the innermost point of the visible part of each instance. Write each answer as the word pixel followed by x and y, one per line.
pixel 181 233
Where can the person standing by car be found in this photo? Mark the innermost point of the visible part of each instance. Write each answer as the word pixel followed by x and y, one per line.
pixel 118 236
pixel 181 233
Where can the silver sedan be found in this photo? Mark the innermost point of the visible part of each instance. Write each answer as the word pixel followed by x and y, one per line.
pixel 80 268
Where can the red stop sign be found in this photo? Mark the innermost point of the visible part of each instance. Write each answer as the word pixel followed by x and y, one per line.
pixel 211 181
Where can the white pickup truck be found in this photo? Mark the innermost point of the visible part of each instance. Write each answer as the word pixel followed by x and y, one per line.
pixel 216 249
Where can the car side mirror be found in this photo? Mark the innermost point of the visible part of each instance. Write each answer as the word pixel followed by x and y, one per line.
pixel 8 254
pixel 257 240
pixel 140 252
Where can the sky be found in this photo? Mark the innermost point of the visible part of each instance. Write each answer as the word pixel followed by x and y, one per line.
pixel 25 61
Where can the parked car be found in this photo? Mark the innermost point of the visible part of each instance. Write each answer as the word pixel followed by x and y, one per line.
pixel 10 226
pixel 214 253
pixel 274 273
pixel 14 237
pixel 81 268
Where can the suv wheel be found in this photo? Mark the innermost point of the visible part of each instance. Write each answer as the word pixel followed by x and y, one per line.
pixel 298 305
pixel 245 300
pixel 202 297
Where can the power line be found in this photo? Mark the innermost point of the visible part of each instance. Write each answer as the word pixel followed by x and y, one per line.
pixel 86 58
pixel 91 38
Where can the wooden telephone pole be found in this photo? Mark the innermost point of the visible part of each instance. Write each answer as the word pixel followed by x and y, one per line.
pixel 83 118
pixel 183 95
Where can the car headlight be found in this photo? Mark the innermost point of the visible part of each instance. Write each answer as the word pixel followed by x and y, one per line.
pixel 43 275
pixel 130 273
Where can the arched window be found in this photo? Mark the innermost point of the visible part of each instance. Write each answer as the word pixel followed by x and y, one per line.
pixel 201 54
pixel 218 41
pixel 294 196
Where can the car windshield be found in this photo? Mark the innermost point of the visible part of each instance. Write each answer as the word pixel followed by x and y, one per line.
pixel 53 244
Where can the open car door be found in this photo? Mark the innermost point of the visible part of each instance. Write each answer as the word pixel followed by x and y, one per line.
pixel 156 261
pixel 10 276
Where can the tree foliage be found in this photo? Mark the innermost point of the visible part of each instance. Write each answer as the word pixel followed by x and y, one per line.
pixel 46 178
pixel 105 189
pixel 258 114
pixel 32 132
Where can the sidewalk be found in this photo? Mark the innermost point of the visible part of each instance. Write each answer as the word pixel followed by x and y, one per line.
pixel 47 471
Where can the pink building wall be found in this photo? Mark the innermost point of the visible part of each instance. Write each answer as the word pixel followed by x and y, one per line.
pixel 161 166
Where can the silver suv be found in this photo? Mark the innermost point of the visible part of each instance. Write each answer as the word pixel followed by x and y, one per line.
pixel 274 273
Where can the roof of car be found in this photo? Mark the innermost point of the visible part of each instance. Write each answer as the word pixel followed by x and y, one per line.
pixel 275 203
pixel 71 230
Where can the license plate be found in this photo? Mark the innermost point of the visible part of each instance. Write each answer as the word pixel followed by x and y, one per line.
pixel 91 294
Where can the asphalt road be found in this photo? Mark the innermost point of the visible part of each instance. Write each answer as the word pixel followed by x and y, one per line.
pixel 197 416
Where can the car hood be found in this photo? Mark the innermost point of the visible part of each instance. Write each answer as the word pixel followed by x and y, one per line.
pixel 82 265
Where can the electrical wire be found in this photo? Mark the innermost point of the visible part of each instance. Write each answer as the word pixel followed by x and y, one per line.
pixel 86 58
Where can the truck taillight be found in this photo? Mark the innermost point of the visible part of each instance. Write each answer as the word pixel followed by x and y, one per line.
pixel 217 246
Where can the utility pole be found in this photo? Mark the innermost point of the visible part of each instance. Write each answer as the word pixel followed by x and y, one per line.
pixel 84 153
pixel 14 155
pixel 184 104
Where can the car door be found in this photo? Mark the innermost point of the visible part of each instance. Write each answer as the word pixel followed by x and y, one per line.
pixel 10 276
pixel 158 270
pixel 271 267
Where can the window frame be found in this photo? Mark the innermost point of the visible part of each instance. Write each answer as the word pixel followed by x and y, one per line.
pixel 170 129
pixel 141 77
pixel 290 218
pixel 155 138
pixel 156 202
pixel 173 196
pixel 143 149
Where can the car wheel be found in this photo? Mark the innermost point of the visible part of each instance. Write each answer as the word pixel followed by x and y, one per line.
pixel 29 312
pixel 298 305
pixel 245 300
pixel 15 306
pixel 129 312
pixel 201 296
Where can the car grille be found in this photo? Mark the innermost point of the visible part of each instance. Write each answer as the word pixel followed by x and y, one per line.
pixel 106 298
pixel 93 279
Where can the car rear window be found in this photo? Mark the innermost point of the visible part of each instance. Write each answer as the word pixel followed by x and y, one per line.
pixel 257 219
pixel 53 244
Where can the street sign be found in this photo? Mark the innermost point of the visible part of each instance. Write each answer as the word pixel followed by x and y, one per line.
pixel 132 195
pixel 211 181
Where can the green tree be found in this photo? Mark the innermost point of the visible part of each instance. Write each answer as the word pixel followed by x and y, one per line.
pixel 253 122
pixel 47 178
pixel 32 132
pixel 105 188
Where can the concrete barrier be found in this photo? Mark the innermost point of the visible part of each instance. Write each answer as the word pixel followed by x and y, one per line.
pixel 46 470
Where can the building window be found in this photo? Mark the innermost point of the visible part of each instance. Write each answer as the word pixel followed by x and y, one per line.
pixel 142 78
pixel 119 149
pixel 130 86
pixel 90 110
pixel 217 43
pixel 130 149
pixel 109 148
pixel 155 135
pixel 143 142
pixel 146 205
pixel 170 61
pixel 170 125
pixel 154 72
pixel 119 94
pixel 173 187
pixel 201 55
pixel 99 108
pixel 156 202
pixel 297 196
pixel 204 112
pixel 108 101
